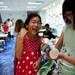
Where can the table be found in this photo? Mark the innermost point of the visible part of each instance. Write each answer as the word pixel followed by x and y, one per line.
pixel 2 40
pixel 3 35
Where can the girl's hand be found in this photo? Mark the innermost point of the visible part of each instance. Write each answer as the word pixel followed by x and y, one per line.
pixel 36 64
pixel 22 32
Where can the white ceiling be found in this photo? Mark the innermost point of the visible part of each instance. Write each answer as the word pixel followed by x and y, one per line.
pixel 24 5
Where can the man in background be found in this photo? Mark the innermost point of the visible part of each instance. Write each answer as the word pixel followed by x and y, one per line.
pixel 47 33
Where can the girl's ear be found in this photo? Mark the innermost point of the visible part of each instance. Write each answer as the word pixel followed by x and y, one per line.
pixel 26 27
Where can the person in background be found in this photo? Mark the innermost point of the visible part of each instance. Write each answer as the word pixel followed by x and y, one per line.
pixel 47 33
pixel 11 28
pixel 19 28
pixel 5 27
pixel 9 25
pixel 12 20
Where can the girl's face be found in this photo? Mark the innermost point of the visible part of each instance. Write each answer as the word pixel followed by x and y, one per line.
pixel 69 15
pixel 34 25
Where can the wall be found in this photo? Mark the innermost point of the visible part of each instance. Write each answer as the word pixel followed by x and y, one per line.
pixel 53 16
pixel 13 14
pixel 43 16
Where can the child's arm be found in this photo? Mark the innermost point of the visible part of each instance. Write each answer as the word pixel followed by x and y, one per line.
pixel 60 41
pixel 19 42
pixel 18 47
pixel 22 32
pixel 66 58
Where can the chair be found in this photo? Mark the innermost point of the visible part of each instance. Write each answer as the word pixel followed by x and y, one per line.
pixel 2 44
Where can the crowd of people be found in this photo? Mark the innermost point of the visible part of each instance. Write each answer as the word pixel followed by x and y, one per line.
pixel 8 28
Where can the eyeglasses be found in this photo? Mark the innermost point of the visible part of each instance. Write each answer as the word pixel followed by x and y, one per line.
pixel 34 22
pixel 69 13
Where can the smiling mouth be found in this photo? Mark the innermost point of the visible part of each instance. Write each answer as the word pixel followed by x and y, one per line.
pixel 36 30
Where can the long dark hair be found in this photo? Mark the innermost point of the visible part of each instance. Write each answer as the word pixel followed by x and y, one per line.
pixel 29 17
pixel 69 5
pixel 18 25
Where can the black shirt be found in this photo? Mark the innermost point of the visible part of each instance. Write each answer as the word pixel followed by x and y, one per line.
pixel 48 35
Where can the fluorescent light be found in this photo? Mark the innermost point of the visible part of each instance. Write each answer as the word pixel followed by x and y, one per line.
pixel 54 4
pixel 34 3
pixel 4 9
pixel 1 2
pixel 31 6
pixel 3 6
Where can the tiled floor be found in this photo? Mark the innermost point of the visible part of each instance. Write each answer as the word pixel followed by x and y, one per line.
pixel 7 58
